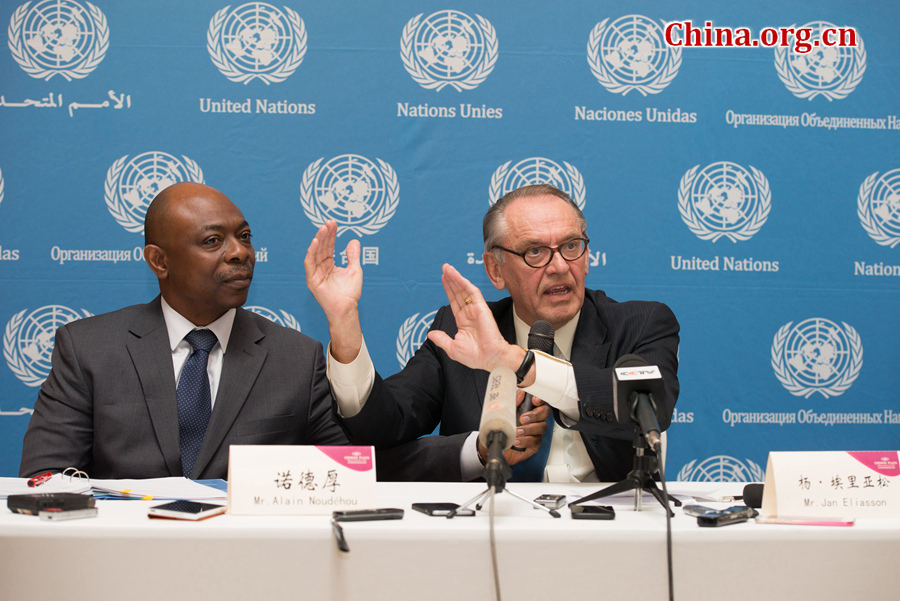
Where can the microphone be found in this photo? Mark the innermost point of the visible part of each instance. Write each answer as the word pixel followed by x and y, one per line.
pixel 753 494
pixel 497 429
pixel 636 388
pixel 540 338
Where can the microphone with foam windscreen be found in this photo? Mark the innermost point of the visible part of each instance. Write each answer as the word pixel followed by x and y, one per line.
pixel 497 429
pixel 753 494
pixel 638 394
pixel 540 338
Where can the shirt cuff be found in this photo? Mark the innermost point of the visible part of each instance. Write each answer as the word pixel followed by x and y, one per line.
pixel 469 464
pixel 351 382
pixel 554 383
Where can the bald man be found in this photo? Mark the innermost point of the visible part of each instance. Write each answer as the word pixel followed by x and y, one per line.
pixel 163 389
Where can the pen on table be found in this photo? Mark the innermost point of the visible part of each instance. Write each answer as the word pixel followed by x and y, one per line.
pixel 339 536
pixel 39 479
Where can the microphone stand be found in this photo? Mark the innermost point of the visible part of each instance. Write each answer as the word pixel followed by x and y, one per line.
pixel 496 473
pixel 640 478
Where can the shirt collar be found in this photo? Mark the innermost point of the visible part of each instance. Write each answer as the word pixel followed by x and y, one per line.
pixel 562 338
pixel 178 326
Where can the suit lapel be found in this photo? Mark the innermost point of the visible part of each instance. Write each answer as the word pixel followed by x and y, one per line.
pixel 242 362
pixel 151 354
pixel 590 344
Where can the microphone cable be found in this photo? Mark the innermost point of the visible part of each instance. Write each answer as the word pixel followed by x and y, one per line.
pixel 496 571
pixel 662 478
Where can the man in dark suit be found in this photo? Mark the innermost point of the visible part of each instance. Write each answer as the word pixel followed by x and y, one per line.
pixel 133 394
pixel 536 247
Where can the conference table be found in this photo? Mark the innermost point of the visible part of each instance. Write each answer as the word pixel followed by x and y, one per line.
pixel 122 553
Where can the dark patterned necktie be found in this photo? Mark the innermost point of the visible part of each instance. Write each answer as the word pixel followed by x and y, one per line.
pixel 194 399
pixel 532 469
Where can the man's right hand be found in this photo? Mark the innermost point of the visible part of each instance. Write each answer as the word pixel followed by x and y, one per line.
pixel 529 433
pixel 337 290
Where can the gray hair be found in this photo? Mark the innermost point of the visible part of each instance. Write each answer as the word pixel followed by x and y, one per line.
pixel 494 225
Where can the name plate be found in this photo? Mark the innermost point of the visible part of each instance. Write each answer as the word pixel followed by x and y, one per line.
pixel 299 480
pixel 837 484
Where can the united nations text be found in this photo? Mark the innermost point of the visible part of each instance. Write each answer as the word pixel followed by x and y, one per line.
pixel 259 106
pixel 679 263
pixel 810 416
pixel 115 255
pixel 878 269
pixel 735 119
pixel 650 114
pixel 463 111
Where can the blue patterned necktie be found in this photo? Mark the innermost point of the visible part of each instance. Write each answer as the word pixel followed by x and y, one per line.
pixel 532 469
pixel 194 399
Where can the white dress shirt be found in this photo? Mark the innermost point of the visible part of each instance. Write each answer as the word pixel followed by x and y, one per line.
pixel 568 460
pixel 178 327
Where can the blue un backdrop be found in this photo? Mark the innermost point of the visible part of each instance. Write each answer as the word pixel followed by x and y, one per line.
pixel 756 191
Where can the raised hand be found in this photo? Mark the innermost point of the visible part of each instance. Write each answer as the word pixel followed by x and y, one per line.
pixel 478 343
pixel 337 290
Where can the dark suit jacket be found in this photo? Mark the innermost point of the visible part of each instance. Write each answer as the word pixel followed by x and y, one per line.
pixel 432 388
pixel 109 408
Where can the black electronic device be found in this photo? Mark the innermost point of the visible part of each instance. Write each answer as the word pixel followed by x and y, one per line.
pixel 593 512
pixel 442 509
pixel 58 515
pixel 551 501
pixel 698 510
pixel 726 517
pixel 365 515
pixel 33 503
pixel 753 494
pixel 183 509
pixel 639 396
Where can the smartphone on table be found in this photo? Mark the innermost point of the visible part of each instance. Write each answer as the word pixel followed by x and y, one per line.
pixel 593 512
pixel 364 515
pixel 186 510
pixel 441 509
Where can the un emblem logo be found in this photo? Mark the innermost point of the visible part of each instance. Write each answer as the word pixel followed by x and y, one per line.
pixel 256 41
pixel 537 170
pixel 878 207
pixel 829 71
pixel 724 200
pixel 412 334
pixel 58 37
pixel 282 318
pixel 28 340
pixel 631 54
pixel 721 468
pixel 448 48
pixel 131 184
pixel 360 195
pixel 816 355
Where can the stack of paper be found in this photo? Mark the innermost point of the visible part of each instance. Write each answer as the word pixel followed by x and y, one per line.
pixel 155 488
pixel 57 483
pixel 150 488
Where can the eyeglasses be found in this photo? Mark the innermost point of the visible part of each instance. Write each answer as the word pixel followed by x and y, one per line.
pixel 539 256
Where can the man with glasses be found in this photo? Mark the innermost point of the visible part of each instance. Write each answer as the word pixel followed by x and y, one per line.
pixel 536 247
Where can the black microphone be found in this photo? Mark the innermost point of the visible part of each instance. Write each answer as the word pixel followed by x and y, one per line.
pixel 540 338
pixel 753 494
pixel 497 430
pixel 638 394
